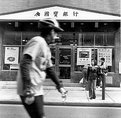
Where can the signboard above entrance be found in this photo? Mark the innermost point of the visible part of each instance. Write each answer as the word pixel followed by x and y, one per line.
pixel 60 13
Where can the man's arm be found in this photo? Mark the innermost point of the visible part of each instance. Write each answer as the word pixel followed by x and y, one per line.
pixel 51 73
pixel 25 68
pixel 87 73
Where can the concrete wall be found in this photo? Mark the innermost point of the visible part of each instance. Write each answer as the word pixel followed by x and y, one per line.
pixel 108 6
pixel 0 50
pixel 118 50
pixel 8 75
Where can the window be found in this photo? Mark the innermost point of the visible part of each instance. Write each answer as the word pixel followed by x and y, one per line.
pixel 12 38
pixel 88 39
pixel 96 54
pixel 99 39
pixel 95 41
pixel 109 39
pixel 65 56
pixel 13 44
pixel 68 38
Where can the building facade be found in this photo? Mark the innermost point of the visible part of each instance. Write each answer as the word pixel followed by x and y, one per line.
pixel 91 31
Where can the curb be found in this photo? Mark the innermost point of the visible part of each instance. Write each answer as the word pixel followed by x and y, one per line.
pixel 68 104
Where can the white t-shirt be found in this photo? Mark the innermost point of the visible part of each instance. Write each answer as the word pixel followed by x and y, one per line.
pixel 38 49
pixel 103 66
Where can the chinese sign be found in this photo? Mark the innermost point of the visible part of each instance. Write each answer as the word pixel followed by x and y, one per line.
pixel 83 56
pixel 59 13
pixel 11 55
pixel 105 53
pixel 56 13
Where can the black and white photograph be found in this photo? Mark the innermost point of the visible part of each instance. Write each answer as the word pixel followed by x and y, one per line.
pixel 60 59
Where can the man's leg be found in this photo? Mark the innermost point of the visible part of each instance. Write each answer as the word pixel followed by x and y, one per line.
pixel 35 110
pixel 94 88
pixel 90 89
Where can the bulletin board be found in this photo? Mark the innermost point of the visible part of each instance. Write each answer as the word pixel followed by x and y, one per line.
pixel 105 53
pixel 11 55
pixel 83 56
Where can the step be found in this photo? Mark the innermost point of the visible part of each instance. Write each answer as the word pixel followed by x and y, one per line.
pixel 66 82
pixel 48 82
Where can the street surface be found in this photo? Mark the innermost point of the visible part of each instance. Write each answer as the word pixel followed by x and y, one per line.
pixel 17 111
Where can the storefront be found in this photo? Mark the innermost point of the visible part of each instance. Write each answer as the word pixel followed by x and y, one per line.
pixel 86 35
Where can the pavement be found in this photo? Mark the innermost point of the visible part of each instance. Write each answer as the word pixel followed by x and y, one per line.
pixel 76 96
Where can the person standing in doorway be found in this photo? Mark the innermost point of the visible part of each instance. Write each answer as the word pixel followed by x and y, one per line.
pixel 36 63
pixel 91 78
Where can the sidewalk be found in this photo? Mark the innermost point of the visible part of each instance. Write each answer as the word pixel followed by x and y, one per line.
pixel 76 96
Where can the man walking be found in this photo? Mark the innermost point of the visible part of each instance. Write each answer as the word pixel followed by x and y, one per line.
pixel 35 64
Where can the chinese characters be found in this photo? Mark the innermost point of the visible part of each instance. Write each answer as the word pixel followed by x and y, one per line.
pixel 57 14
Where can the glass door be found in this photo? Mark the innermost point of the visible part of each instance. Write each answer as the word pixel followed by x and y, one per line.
pixel 64 63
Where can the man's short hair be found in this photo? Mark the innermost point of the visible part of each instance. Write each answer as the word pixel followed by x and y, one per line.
pixel 103 59
pixel 45 31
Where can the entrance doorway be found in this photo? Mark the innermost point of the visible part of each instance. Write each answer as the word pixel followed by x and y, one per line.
pixel 62 60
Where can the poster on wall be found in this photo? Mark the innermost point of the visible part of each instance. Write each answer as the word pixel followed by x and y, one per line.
pixel 105 53
pixel 11 55
pixel 83 56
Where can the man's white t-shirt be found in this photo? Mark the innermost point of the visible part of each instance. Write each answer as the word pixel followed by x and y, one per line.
pixel 38 49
